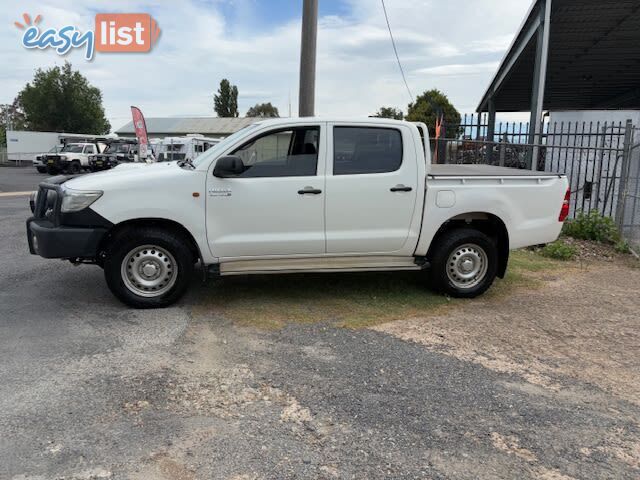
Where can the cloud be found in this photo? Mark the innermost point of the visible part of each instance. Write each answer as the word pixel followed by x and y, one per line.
pixel 441 44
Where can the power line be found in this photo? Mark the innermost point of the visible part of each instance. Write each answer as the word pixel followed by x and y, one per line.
pixel 393 42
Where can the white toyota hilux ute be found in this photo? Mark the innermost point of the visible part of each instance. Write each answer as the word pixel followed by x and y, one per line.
pixel 298 195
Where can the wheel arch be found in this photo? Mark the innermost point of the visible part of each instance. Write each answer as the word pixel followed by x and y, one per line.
pixel 163 223
pixel 488 223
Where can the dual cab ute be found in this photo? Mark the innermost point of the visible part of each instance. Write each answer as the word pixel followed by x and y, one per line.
pixel 117 152
pixel 73 158
pixel 298 195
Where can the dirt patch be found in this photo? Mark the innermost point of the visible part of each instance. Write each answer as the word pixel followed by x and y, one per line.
pixel 510 444
pixel 583 323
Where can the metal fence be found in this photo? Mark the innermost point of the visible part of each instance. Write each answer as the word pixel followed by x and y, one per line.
pixel 600 160
pixel 628 217
pixel 4 159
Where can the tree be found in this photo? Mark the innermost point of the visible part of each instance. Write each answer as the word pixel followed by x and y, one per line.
pixel 225 102
pixel 390 112
pixel 62 100
pixel 11 118
pixel 430 106
pixel 263 110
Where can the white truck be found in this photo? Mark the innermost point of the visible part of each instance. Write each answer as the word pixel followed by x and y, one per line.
pixel 298 195
pixel 73 158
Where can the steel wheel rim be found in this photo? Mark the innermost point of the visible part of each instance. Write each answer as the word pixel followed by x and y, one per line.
pixel 467 266
pixel 149 271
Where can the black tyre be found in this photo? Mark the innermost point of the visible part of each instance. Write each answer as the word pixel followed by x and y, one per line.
pixel 42 169
pixel 148 267
pixel 52 170
pixel 464 263
pixel 75 167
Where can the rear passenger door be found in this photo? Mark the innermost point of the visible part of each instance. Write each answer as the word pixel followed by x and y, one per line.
pixel 371 189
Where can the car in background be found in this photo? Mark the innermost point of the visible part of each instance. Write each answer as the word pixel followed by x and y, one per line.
pixel 38 162
pixel 73 158
pixel 117 152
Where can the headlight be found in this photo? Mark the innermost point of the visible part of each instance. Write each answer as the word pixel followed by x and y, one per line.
pixel 75 200
pixel 92 157
pixel 63 157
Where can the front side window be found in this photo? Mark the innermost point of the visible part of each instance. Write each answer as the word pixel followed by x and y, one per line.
pixel 361 150
pixel 291 152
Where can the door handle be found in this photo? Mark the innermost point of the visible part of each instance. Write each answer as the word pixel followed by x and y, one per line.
pixel 309 191
pixel 401 188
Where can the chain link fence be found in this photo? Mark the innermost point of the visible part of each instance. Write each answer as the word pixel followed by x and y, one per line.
pixel 629 206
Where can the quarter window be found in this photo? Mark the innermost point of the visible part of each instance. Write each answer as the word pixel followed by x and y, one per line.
pixel 361 150
pixel 290 152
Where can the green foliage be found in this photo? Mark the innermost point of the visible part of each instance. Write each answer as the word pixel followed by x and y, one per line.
pixel 592 226
pixel 622 247
pixel 263 110
pixel 62 100
pixel 559 251
pixel 429 106
pixel 389 112
pixel 11 118
pixel 225 102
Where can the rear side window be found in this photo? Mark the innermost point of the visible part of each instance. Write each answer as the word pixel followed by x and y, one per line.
pixel 360 150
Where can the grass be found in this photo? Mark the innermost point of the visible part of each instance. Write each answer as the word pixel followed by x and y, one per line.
pixel 345 300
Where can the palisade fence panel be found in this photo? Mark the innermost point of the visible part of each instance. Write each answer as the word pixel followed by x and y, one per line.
pixel 3 156
pixel 591 154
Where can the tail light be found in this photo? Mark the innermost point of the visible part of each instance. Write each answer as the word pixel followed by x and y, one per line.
pixel 564 211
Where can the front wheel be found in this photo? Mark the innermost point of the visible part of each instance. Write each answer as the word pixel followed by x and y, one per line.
pixel 75 167
pixel 42 169
pixel 464 263
pixel 148 267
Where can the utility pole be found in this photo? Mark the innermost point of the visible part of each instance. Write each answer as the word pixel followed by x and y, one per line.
pixel 306 101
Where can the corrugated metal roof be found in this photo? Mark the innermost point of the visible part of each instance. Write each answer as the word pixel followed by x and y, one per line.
pixel 186 125
pixel 593 63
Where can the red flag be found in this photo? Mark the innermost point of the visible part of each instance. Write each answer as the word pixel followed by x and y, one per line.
pixel 140 128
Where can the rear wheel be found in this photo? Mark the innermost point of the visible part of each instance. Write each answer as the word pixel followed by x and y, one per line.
pixel 464 263
pixel 148 267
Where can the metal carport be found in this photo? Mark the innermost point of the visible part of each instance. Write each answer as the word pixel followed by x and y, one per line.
pixel 569 55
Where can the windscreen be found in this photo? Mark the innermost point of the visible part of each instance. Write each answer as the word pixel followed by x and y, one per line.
pixel 73 149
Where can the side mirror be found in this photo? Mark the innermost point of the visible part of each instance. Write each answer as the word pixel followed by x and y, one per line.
pixel 229 166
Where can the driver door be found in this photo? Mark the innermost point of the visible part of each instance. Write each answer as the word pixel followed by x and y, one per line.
pixel 276 205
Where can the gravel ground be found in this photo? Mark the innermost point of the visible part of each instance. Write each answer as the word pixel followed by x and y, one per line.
pixel 540 384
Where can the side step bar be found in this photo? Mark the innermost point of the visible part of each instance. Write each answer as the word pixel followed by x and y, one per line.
pixel 318 265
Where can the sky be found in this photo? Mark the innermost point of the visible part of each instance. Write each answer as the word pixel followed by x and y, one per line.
pixel 453 45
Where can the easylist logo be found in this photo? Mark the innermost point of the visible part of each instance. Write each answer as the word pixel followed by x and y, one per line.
pixel 125 32
pixel 114 32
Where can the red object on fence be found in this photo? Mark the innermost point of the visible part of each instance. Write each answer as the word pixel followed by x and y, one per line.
pixel 438 132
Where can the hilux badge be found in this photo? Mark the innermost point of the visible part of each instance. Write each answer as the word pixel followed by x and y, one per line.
pixel 219 192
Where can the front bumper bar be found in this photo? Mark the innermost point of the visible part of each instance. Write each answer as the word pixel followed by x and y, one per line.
pixel 53 234
pixel 50 241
